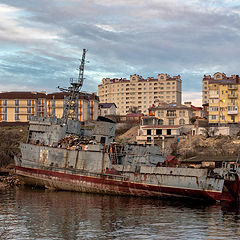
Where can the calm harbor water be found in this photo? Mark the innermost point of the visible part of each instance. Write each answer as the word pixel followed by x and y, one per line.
pixel 39 214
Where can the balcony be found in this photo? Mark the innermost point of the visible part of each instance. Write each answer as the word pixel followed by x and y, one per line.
pixel 232 87
pixel 232 95
pixel 171 115
pixel 212 95
pixel 232 110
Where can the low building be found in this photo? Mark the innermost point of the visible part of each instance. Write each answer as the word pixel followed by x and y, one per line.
pixel 107 109
pixel 164 121
pixel 172 114
pixel 198 112
pixel 152 132
pixel 87 105
pixel 19 107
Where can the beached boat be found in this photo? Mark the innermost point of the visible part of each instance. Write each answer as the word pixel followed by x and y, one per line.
pixel 66 154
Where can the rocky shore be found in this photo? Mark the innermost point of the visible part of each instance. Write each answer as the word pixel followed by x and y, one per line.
pixel 8 180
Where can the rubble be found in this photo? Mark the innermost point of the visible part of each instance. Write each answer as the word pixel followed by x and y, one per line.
pixel 73 142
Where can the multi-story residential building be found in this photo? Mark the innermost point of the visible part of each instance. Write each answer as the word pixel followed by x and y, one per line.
pixel 140 93
pixel 87 105
pixel 224 101
pixel 217 78
pixel 164 121
pixel 20 106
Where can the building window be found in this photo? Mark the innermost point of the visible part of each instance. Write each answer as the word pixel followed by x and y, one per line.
pixel 169 132
pixel 16 102
pixel 29 117
pixel 5 102
pixel 17 117
pixel 182 121
pixel 29 110
pixel 171 113
pixel 213 117
pixel 149 139
pixel 4 117
pixel 4 110
pixel 160 122
pixel 158 131
pixel 29 102
pixel 16 109
pixel 149 132
pixel 213 109
pixel 171 121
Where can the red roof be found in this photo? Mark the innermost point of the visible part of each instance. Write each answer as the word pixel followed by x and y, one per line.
pixel 22 95
pixel 196 108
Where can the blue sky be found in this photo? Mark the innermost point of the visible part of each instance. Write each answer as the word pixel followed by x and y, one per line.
pixel 41 41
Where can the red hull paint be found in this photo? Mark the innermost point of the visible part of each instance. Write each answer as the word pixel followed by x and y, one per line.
pixel 103 184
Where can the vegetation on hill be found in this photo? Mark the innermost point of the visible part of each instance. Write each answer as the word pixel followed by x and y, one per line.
pixel 10 138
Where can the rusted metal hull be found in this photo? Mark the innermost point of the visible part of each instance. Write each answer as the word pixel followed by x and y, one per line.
pixel 105 185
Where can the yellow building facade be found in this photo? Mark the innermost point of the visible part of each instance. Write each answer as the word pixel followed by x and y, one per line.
pixel 87 105
pixel 224 101
pixel 21 106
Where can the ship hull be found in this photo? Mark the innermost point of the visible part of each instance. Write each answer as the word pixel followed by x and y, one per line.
pixel 108 184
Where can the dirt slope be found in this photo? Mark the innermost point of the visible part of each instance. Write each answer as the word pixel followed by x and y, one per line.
pixel 129 135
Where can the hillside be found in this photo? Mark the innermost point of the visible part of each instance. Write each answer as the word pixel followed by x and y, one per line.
pixel 129 135
pixel 10 138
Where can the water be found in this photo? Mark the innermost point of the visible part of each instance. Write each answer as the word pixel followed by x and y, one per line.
pixel 39 214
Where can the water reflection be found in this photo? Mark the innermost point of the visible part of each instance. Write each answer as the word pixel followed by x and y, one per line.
pixel 38 214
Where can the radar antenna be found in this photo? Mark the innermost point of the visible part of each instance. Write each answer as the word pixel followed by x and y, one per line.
pixel 70 109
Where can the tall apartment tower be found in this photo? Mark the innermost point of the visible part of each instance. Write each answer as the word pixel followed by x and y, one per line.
pixel 140 93
pixel 222 95
pixel 217 78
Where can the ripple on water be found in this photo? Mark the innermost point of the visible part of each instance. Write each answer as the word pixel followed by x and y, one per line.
pixel 38 214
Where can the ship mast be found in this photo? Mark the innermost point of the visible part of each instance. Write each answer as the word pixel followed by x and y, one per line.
pixel 70 109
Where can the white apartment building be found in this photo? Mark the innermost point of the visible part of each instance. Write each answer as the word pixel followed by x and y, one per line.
pixel 140 93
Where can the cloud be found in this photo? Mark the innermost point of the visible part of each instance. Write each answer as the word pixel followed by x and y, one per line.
pixel 43 40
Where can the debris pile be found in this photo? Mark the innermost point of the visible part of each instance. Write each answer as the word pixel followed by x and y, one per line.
pixel 73 142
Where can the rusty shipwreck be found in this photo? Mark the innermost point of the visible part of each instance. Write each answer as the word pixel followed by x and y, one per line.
pixel 67 154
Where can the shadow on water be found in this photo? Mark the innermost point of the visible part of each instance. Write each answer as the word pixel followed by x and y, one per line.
pixel 37 213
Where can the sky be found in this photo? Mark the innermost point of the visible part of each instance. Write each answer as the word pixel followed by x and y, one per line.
pixel 41 41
